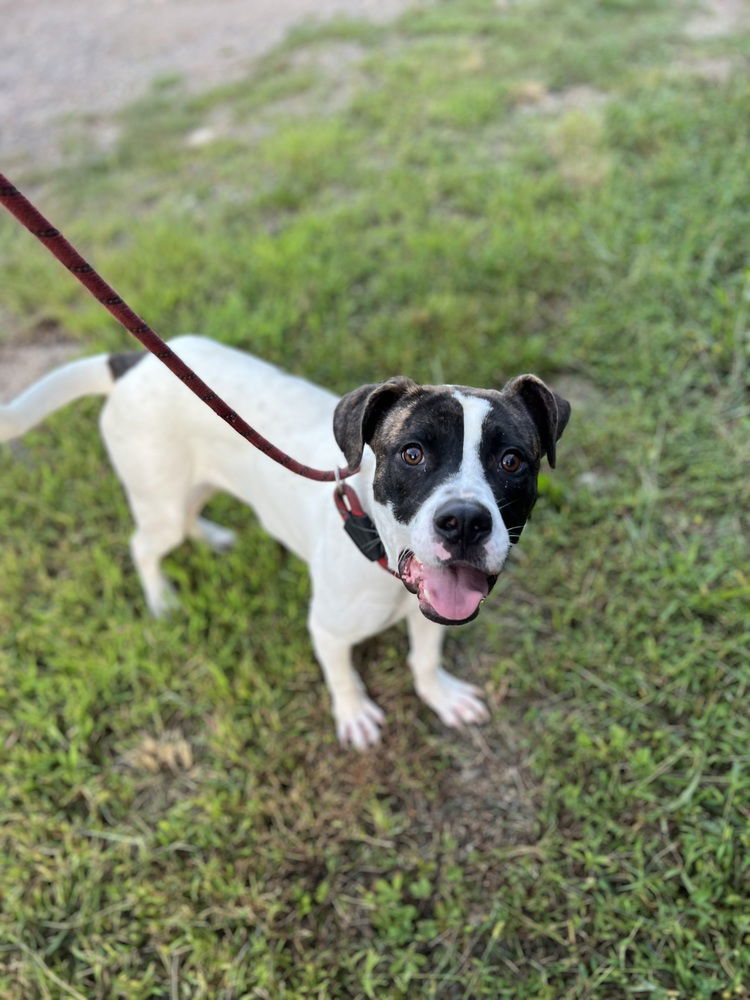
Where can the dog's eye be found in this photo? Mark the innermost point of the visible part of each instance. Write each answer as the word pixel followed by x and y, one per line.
pixel 412 454
pixel 511 461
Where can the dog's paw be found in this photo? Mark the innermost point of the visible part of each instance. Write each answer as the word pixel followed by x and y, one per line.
pixel 358 723
pixel 456 702
pixel 162 600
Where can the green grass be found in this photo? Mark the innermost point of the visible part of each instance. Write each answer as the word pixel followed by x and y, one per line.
pixel 481 190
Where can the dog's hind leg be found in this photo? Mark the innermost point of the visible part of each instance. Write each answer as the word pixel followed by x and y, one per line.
pixel 214 535
pixel 156 475
pixel 156 493
pixel 153 538
pixel 200 529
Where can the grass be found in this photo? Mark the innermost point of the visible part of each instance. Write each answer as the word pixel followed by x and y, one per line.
pixel 482 189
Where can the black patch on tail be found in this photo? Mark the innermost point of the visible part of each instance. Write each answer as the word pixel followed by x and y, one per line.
pixel 121 363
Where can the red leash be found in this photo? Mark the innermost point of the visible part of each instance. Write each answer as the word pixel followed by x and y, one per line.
pixel 52 238
pixel 357 524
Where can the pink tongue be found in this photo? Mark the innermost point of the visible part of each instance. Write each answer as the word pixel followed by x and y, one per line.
pixel 454 592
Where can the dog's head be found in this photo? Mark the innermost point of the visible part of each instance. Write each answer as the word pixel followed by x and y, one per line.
pixel 455 478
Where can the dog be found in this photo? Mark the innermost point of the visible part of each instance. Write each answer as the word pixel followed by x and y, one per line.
pixel 447 475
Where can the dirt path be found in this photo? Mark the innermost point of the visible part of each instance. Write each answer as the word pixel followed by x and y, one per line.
pixel 92 56
pixel 62 59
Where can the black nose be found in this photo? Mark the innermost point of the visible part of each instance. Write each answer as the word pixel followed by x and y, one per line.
pixel 463 523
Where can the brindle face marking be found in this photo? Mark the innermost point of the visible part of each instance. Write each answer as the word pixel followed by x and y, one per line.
pixel 434 422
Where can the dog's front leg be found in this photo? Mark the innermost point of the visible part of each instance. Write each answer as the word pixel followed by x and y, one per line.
pixel 358 718
pixel 456 702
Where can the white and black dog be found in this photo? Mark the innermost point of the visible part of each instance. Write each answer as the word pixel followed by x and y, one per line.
pixel 448 476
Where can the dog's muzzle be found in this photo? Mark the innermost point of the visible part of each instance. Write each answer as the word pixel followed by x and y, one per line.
pixel 449 594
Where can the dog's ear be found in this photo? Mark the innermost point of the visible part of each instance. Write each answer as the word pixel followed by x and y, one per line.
pixel 359 412
pixel 549 411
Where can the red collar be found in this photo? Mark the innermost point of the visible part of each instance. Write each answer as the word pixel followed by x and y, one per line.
pixel 359 527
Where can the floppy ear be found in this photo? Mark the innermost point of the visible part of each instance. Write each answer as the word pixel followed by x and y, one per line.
pixel 549 411
pixel 358 413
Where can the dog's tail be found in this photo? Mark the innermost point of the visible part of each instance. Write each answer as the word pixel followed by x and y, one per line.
pixel 93 376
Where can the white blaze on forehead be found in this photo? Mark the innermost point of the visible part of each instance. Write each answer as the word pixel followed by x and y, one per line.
pixel 469 482
pixel 475 410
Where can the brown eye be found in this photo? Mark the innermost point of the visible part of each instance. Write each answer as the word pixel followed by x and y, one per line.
pixel 511 461
pixel 412 454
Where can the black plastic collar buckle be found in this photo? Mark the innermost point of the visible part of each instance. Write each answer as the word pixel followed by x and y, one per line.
pixel 357 524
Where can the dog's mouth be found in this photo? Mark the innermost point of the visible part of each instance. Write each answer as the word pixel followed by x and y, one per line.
pixel 449 594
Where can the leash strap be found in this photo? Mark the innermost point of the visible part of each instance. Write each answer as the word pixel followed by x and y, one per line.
pixel 20 207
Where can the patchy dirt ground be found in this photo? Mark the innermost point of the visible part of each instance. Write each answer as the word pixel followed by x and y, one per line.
pixel 62 60
pixel 715 18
